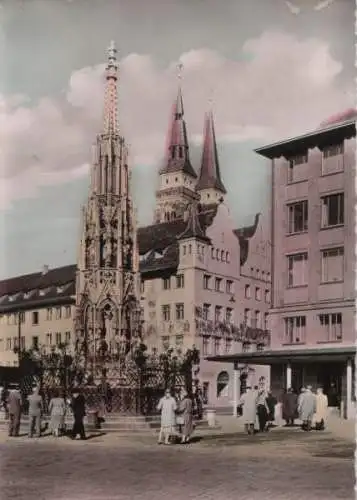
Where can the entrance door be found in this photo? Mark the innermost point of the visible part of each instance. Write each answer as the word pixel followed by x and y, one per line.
pixel 329 377
pixel 297 377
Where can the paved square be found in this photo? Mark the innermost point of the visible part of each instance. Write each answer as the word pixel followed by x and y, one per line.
pixel 280 465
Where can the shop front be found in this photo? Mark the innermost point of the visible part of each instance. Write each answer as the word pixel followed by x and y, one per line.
pixel 333 369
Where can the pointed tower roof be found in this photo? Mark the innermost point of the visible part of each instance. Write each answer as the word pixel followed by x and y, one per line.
pixel 178 158
pixel 194 228
pixel 210 174
pixel 110 125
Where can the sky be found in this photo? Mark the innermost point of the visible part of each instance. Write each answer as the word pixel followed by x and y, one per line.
pixel 271 68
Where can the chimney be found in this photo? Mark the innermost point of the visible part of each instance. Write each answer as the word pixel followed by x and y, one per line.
pixel 45 269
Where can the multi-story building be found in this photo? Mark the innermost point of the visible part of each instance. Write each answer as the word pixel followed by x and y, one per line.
pixel 203 281
pixel 312 318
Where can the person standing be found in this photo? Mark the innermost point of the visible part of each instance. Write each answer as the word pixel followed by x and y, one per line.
pixel 290 405
pixel 271 402
pixel 35 413
pixel 78 405
pixel 14 406
pixel 262 410
pixel 4 397
pixel 186 413
pixel 321 409
pixel 167 405
pixel 248 402
pixel 307 408
pixel 57 410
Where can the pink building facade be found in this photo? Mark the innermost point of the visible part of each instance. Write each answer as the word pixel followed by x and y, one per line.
pixel 312 317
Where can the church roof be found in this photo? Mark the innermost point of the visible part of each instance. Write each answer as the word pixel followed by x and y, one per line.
pixel 210 174
pixel 178 157
pixel 159 254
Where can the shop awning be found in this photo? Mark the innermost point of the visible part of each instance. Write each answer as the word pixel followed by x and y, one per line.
pixel 283 356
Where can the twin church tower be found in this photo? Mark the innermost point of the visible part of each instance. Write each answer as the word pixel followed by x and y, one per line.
pixel 108 317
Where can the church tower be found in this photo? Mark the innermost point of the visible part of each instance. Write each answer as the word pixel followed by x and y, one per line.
pixel 107 289
pixel 177 177
pixel 209 185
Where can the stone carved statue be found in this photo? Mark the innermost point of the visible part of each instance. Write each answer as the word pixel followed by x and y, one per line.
pixel 91 253
pixel 107 250
pixel 108 324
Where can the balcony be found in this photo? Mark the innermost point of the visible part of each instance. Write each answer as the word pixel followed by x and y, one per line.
pixel 241 333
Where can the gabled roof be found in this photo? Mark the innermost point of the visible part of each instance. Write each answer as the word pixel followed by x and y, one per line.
pixel 244 234
pixel 193 226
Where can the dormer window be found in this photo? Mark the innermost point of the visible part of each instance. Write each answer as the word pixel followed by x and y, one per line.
pixel 294 171
pixel 332 159
pixel 334 150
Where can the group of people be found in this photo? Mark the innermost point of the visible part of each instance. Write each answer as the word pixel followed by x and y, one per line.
pixel 308 407
pixel 259 404
pixel 176 416
pixel 58 407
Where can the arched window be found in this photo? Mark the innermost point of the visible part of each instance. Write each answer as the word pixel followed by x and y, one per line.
pixel 227 257
pixel 212 253
pixel 222 256
pixel 217 254
pixel 222 384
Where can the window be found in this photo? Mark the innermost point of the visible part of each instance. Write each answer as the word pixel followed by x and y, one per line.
pixel 67 337
pixel 228 258
pixel 246 317
pixel 218 284
pixel 332 159
pixel 228 346
pixel 246 347
pixel 23 343
pixel 331 325
pixel 49 314
pixel 295 329
pixel 166 313
pixel 218 314
pixel 15 342
pixel 205 392
pixel 298 217
pixel 222 255
pixel 180 281
pixel 229 286
pixel 179 340
pixel 217 345
pixel 212 253
pixel 229 314
pixel 58 338
pixel 247 292
pixel 332 261
pixel 256 320
pixel 165 342
pixel 58 313
pixel 67 311
pixel 217 254
pixel 49 338
pixel 22 316
pixel 205 346
pixel 35 342
pixel 8 344
pixel 206 311
pixel 297 269
pixel 222 384
pixel 266 319
pixel 332 210
pixel 206 282
pixel 166 283
pixel 180 311
pixel 258 293
pixel 35 318
pixel 294 163
pixel 267 296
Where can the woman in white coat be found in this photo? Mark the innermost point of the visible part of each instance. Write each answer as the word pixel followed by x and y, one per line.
pixel 248 401
pixel 167 405
pixel 321 409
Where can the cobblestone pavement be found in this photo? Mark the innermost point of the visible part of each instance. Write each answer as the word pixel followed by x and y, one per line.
pixel 279 465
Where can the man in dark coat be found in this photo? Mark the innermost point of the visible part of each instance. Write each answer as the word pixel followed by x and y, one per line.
pixel 14 409
pixel 79 411
pixel 290 405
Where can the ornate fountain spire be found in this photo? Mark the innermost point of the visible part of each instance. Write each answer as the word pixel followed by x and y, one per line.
pixel 111 93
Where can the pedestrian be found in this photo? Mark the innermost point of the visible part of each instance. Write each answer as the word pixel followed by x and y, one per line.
pixel 271 402
pixel 167 405
pixel 248 402
pixel 57 410
pixel 290 406
pixel 14 407
pixel 78 405
pixel 307 408
pixel 321 409
pixel 186 413
pixel 262 410
pixel 35 412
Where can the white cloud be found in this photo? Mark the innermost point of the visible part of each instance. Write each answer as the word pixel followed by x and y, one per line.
pixel 281 86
